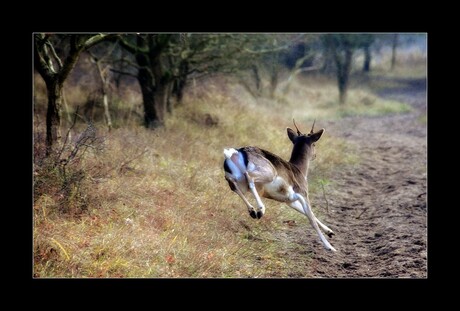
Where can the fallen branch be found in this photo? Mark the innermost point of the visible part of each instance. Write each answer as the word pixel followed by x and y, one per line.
pixel 365 209
pixel 125 163
pixel 325 198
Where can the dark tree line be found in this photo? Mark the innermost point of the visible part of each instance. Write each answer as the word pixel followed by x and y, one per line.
pixel 163 64
pixel 342 47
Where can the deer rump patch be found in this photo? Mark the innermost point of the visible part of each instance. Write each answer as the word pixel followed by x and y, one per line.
pixel 268 183
pixel 261 166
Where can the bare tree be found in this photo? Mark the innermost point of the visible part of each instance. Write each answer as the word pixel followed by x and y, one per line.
pixel 163 64
pixel 342 50
pixel 54 69
pixel 152 74
pixel 103 72
pixel 394 45
pixel 342 47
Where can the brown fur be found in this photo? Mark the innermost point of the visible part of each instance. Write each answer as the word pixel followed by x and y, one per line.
pixel 288 171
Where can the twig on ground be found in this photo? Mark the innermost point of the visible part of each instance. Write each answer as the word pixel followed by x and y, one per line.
pixel 125 163
pixel 364 209
pixel 421 194
pixel 325 198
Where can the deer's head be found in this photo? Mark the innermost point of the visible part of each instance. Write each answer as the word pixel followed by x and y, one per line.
pixel 304 144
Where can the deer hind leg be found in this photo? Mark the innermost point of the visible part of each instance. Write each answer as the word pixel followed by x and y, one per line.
pixel 234 186
pixel 253 189
pixel 298 203
pixel 237 175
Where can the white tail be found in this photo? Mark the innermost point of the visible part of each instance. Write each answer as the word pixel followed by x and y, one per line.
pixel 266 174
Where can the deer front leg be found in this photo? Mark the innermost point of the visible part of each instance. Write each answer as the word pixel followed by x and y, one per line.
pixel 325 228
pixel 298 202
pixel 253 189
pixel 297 205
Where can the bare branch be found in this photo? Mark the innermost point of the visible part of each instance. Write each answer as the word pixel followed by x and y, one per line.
pixel 47 58
pixel 69 63
pixel 263 51
pixel 67 137
pixel 125 163
pixel 53 52
pixel 325 198
pixel 96 39
pixel 130 47
pixel 130 63
pixel 102 59
pixel 104 84
pixel 127 61
pixel 123 72
pixel 40 61
pixel 363 211
pixel 75 51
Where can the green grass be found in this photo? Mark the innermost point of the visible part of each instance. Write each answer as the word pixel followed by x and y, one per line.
pixel 314 97
pixel 404 70
pixel 423 119
pixel 156 204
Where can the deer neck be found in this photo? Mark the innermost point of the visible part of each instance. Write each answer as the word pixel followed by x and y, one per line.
pixel 299 158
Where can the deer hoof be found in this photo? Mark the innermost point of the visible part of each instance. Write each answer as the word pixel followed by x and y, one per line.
pixel 259 214
pixel 253 214
pixel 332 249
pixel 330 234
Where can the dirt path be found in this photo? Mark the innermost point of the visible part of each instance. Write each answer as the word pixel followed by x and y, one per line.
pixel 377 208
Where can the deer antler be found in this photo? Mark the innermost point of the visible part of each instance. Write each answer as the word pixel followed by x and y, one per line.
pixel 311 132
pixel 298 132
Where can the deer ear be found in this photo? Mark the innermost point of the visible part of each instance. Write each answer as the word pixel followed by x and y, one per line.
pixel 291 134
pixel 316 136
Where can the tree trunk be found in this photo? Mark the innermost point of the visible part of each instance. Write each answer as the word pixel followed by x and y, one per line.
pixel 108 119
pixel 273 82
pixel 343 92
pixel 53 114
pixel 255 73
pixel 367 59
pixel 149 86
pixel 181 82
pixel 54 72
pixel 67 111
pixel 148 98
pixel 328 64
pixel 161 102
pixel 104 89
pixel 343 73
pixel 393 51
pixel 163 88
pixel 171 99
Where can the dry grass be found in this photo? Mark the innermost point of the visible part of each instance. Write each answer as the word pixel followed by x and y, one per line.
pixel 408 65
pixel 156 204
pixel 318 95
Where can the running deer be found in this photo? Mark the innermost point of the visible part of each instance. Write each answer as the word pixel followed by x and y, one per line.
pixel 266 174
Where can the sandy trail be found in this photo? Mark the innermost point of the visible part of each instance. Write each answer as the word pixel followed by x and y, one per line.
pixel 378 207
